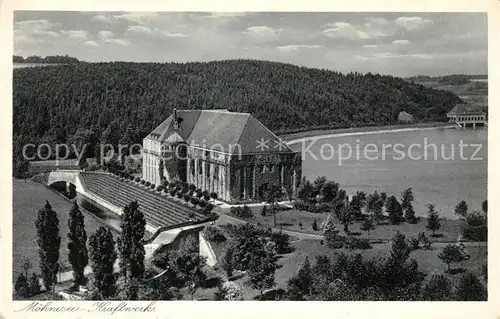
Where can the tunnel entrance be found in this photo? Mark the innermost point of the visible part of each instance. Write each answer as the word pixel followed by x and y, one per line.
pixel 68 189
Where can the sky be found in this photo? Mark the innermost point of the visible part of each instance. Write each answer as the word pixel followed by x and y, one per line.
pixel 399 44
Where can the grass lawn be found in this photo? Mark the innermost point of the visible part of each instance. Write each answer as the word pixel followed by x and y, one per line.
pixel 289 219
pixel 28 198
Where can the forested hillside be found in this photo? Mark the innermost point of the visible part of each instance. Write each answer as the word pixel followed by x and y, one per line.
pixel 127 100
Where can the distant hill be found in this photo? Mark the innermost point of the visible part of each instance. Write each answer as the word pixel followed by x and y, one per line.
pixel 454 79
pixel 59 59
pixel 130 99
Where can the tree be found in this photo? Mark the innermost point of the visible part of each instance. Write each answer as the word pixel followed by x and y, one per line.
pixel 131 245
pixel 329 191
pixel 345 215
pixel 400 250
pixel 433 219
pixel 358 202
pixel 272 195
pixel 394 210
pixel 437 289
pixel 315 225
pixel 301 284
pixel 77 244
pixel 49 242
pixel 367 226
pixel 102 259
pixel 451 254
pixel 406 198
pixel 461 209
pixel 332 237
pixel 410 215
pixel 227 262
pixel 469 288
pixel 229 291
pixel 375 205
pixel 262 268
pixel 306 190
pixel 484 206
pixel 26 266
pixel 318 185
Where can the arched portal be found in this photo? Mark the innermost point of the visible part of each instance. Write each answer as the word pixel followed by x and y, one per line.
pixel 66 188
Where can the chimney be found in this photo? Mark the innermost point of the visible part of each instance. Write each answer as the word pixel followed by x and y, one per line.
pixel 176 124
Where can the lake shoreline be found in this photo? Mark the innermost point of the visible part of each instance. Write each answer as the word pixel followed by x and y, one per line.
pixel 365 130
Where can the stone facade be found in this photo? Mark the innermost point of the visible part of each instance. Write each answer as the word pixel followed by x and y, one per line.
pixel 233 176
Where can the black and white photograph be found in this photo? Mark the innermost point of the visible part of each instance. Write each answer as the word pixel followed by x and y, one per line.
pixel 249 156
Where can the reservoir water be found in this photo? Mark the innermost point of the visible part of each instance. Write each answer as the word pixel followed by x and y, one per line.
pixel 442 166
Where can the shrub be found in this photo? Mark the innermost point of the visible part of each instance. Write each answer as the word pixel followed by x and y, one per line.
pixel 263 211
pixel 137 179
pixel 191 193
pixel 475 219
pixel 213 195
pixel 143 182
pixel 192 187
pixel 179 194
pixel 437 289
pixel 206 196
pixel 475 233
pixel 172 192
pixel 229 291
pixel 199 194
pixel 207 209
pixel 214 234
pixel 414 244
pixel 282 241
pixel 152 186
pixel 424 240
pixel 451 254
pixel 358 243
pixel 321 208
pixel 305 206
pixel 21 286
pixel 202 203
pixel 242 212
pixel 469 288
pixel 171 184
pixel 187 198
pixel 131 177
pixel 315 225
pixel 198 190
pixel 147 184
pixel 159 188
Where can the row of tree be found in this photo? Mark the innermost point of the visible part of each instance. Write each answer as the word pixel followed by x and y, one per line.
pixel 57 59
pixel 99 250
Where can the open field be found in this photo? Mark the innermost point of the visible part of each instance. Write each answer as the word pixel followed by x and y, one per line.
pixel 28 198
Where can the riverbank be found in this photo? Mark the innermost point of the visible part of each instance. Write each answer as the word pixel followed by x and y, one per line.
pixel 365 130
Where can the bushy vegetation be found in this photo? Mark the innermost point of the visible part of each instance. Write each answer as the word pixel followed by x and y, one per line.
pixel 242 211
pixel 214 234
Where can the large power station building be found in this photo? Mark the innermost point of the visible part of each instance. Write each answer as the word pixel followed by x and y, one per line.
pixel 231 154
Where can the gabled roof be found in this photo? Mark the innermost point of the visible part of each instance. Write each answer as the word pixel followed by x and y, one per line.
pixel 466 109
pixel 221 130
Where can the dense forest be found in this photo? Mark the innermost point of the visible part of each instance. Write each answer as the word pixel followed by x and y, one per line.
pixel 122 102
pixel 47 59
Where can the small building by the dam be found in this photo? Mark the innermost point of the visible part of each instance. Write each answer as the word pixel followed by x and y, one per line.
pixel 228 153
pixel 467 115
